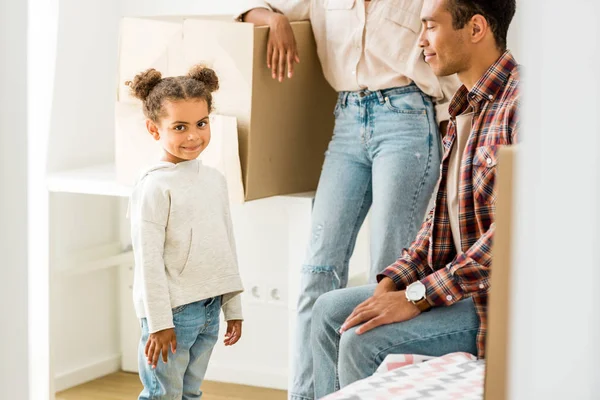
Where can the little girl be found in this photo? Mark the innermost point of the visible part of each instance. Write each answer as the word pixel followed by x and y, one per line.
pixel 185 258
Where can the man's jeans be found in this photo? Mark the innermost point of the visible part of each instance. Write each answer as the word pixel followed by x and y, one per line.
pixel 385 153
pixel 340 360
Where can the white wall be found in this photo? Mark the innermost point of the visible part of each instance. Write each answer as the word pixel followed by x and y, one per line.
pixel 555 283
pixel 514 33
pixel 13 201
pixel 84 308
pixel 86 66
pixel 181 7
pixel 41 54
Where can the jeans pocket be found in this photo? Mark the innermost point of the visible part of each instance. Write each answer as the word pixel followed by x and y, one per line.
pixel 407 103
pixel 339 104
pixel 213 302
pixel 179 309
pixel 337 109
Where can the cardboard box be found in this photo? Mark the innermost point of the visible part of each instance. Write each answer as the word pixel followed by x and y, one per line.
pixel 283 128
pixel 497 345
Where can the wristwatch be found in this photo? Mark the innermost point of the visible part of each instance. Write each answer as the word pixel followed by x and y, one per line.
pixel 415 293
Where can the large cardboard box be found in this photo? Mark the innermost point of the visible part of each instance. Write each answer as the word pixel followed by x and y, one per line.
pixel 283 128
pixel 497 346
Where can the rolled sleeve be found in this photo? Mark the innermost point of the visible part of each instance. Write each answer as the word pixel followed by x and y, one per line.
pixel 249 5
pixel 295 10
pixel 468 274
pixel 402 272
pixel 441 288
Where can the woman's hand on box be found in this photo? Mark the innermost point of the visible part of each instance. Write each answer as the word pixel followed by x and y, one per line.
pixel 282 51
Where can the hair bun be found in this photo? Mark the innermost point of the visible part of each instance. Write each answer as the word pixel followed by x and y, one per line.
pixel 206 76
pixel 143 83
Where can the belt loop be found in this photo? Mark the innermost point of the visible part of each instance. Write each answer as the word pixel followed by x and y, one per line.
pixel 344 99
pixel 380 97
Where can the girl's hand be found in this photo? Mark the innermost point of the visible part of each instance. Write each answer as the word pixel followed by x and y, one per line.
pixel 234 332
pixel 282 51
pixel 159 342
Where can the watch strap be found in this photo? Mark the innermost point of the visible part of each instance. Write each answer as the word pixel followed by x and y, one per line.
pixel 423 305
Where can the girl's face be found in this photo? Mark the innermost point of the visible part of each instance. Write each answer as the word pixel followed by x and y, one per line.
pixel 184 132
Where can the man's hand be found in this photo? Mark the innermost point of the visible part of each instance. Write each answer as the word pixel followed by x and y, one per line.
pixel 382 309
pixel 385 285
pixel 234 332
pixel 159 342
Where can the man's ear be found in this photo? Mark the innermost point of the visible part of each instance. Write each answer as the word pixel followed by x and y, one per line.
pixel 479 28
pixel 152 129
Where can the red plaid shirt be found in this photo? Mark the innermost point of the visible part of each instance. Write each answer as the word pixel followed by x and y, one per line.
pixel 432 258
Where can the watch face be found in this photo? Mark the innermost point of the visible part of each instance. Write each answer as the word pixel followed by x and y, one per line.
pixel 416 291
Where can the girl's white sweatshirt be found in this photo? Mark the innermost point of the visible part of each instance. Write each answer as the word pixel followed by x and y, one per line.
pixel 183 242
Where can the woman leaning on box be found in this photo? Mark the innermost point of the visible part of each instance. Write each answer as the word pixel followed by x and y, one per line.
pixel 385 151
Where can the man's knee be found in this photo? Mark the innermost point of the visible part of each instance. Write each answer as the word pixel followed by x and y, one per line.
pixel 351 344
pixel 324 310
pixel 354 360
pixel 335 306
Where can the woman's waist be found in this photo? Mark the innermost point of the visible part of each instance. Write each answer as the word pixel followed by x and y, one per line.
pixel 411 93
pixel 389 91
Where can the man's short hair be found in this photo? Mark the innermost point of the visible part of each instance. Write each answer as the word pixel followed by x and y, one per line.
pixel 498 13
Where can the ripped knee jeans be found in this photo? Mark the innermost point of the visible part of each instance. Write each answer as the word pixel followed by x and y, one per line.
pixel 384 155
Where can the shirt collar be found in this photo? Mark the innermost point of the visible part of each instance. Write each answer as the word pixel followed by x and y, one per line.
pixel 488 86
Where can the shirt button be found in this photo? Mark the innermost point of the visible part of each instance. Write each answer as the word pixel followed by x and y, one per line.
pixel 482 286
pixel 489 161
pixel 353 72
pixel 449 298
pixel 490 97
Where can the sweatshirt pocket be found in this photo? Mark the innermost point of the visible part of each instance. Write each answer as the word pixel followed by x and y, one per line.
pixel 187 248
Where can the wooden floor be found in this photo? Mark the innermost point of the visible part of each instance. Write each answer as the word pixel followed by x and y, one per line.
pixel 125 386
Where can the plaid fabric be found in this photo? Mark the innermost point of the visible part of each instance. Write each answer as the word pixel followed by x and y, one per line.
pixel 432 258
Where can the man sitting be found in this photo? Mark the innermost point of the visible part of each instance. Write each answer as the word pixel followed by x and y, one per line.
pixel 433 299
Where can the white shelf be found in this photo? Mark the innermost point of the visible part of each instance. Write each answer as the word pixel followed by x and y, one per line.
pixel 102 180
pixel 94 259
pixel 98 180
